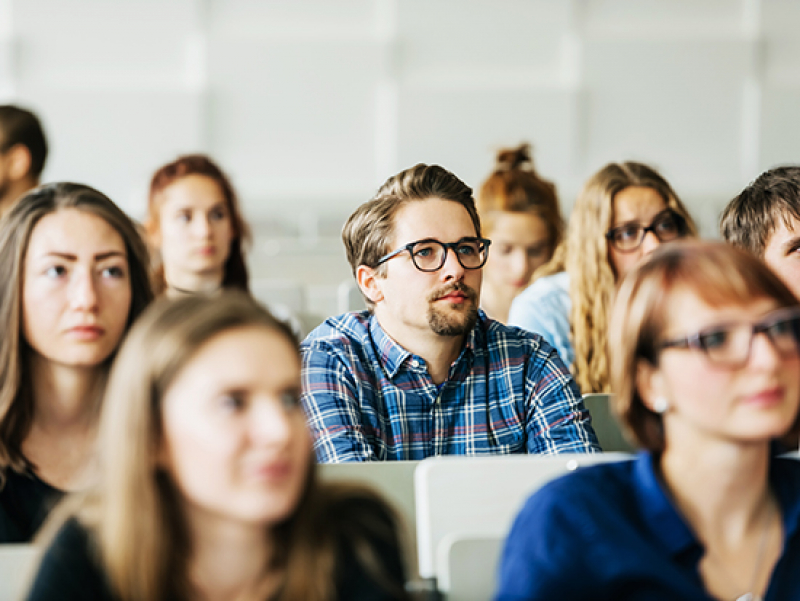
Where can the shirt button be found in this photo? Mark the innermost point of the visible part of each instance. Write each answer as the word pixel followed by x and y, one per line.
pixel 414 363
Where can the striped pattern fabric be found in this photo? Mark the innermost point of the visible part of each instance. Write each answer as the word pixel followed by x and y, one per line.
pixel 367 398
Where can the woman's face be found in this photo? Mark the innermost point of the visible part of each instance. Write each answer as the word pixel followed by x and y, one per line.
pixel 195 227
pixel 235 436
pixel 634 205
pixel 520 244
pixel 757 401
pixel 76 291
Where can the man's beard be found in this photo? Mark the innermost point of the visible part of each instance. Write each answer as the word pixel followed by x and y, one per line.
pixel 456 321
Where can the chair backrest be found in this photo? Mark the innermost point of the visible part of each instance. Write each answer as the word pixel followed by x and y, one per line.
pixel 394 480
pixel 605 424
pixel 480 496
pixel 17 562
pixel 468 564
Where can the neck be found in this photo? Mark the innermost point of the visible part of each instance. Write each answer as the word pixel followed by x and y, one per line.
pixel 439 352
pixel 229 559
pixel 183 283
pixel 65 397
pixel 496 303
pixel 726 492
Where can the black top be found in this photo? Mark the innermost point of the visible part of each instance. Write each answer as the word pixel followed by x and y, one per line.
pixel 25 501
pixel 70 570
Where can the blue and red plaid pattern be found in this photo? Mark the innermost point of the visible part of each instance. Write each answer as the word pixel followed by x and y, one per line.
pixel 367 398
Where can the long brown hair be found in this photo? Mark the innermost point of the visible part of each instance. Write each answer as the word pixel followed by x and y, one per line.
pixel 16 401
pixel 134 515
pixel 585 258
pixel 235 274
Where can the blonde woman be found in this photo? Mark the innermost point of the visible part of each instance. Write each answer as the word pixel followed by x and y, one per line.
pixel 705 365
pixel 75 277
pixel 519 212
pixel 207 487
pixel 623 213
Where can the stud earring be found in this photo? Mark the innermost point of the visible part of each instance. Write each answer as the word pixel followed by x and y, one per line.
pixel 660 405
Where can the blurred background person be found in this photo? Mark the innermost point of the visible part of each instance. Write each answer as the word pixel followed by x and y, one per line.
pixel 623 213
pixel 197 229
pixel 23 152
pixel 208 488
pixel 520 214
pixel 74 278
pixel 705 367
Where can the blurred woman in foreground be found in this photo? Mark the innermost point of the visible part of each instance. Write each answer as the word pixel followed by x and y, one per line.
pixel 207 486
pixel 705 365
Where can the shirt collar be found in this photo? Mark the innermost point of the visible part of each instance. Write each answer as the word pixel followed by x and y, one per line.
pixel 392 355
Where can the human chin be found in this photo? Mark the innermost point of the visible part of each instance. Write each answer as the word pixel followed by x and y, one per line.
pixel 452 322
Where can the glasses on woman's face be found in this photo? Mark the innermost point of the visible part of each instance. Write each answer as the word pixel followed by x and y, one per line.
pixel 667 225
pixel 430 255
pixel 729 344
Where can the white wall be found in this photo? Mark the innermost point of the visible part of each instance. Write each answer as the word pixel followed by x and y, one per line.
pixel 311 104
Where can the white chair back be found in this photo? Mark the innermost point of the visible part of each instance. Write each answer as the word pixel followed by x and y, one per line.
pixel 17 562
pixel 478 497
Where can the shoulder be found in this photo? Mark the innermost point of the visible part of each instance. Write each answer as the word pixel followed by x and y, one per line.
pixel 587 498
pixel 70 567
pixel 554 288
pixel 341 330
pixel 370 564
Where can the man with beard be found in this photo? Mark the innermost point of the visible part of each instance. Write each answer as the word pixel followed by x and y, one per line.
pixel 423 371
pixel 23 150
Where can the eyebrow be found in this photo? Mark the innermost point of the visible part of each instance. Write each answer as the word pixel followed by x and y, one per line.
pixel 98 257
pixel 791 244
pixel 668 210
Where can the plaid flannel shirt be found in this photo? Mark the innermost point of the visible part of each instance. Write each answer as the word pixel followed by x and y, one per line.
pixel 367 398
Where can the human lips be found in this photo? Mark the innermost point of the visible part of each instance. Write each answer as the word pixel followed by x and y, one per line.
pixel 86 332
pixel 454 294
pixel 766 397
pixel 273 472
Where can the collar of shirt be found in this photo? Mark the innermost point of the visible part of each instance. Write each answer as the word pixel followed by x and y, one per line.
pixel 392 356
pixel 668 526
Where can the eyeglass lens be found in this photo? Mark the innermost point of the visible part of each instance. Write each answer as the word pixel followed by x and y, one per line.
pixel 430 255
pixel 630 236
pixel 731 344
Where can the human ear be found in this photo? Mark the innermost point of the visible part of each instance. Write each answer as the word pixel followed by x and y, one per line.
pixel 369 283
pixel 651 386
pixel 19 162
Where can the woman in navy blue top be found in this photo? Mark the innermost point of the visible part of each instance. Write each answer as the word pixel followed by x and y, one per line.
pixel 705 362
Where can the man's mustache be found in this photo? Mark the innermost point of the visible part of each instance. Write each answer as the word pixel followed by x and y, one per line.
pixel 450 288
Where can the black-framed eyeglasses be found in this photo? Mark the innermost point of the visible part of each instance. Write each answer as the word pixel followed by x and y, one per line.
pixel 667 225
pixel 729 344
pixel 430 254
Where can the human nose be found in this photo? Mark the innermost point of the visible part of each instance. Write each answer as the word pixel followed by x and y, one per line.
pixel 202 226
pixel 452 267
pixel 84 291
pixel 271 423
pixel 650 242
pixel 763 352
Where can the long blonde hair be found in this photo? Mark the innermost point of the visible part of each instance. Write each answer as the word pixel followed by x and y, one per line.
pixel 134 514
pixel 585 257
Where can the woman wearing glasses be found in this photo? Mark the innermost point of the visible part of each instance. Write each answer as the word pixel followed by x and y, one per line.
pixel 706 371
pixel 623 213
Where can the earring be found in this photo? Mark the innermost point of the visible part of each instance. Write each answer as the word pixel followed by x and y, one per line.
pixel 660 405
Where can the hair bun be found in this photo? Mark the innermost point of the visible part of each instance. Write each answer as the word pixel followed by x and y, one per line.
pixel 515 158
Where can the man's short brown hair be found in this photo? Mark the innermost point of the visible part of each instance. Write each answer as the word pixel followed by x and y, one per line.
pixel 751 218
pixel 368 232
